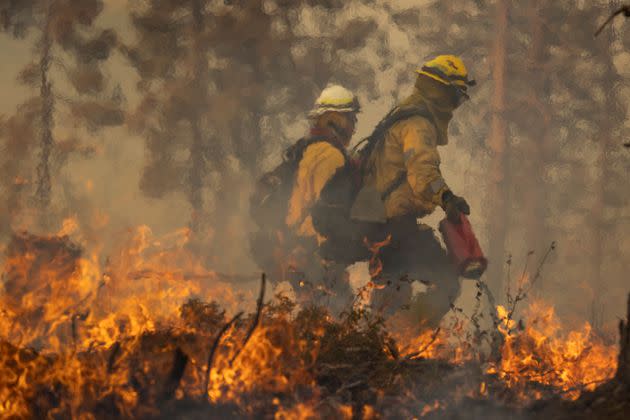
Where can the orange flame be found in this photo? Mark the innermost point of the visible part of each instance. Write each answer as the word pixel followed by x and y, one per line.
pixel 543 354
pixel 68 307
pixel 375 264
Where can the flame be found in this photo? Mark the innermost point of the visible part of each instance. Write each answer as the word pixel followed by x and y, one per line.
pixel 61 303
pixel 429 408
pixel 78 330
pixel 449 342
pixel 69 226
pixel 375 264
pixel 544 354
pixel 270 362
pixel 483 389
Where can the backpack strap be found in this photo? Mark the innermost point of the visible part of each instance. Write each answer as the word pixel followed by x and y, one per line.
pixel 295 152
pixel 394 116
pixel 394 185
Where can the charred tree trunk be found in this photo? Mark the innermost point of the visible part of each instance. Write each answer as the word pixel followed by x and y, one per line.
pixel 47 108
pixel 197 160
pixel 607 127
pixel 535 155
pixel 497 145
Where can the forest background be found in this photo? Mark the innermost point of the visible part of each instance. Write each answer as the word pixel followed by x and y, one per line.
pixel 121 113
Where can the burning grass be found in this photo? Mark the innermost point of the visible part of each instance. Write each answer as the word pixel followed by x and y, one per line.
pixel 544 354
pixel 146 337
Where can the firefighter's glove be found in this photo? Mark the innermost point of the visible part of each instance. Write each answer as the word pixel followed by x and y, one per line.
pixel 454 205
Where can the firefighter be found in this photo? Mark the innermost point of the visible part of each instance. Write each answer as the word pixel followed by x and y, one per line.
pixel 309 164
pixel 404 170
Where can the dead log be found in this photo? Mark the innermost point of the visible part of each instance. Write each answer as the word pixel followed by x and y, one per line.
pixel 623 366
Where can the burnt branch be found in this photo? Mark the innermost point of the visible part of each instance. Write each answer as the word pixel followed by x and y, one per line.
pixel 259 307
pixel 625 10
pixel 180 360
pixel 496 338
pixel 523 290
pixel 214 347
pixel 418 353
pixel 113 356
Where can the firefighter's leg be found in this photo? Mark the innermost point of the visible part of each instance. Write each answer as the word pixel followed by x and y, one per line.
pixel 337 295
pixel 392 290
pixel 433 266
pixel 304 273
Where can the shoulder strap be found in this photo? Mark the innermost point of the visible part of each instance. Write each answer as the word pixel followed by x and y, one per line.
pixel 296 151
pixel 394 185
pixel 391 118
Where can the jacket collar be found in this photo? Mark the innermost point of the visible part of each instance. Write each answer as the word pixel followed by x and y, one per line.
pixel 327 134
pixel 438 100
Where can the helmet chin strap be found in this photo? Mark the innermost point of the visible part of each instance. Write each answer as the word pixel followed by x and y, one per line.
pixel 340 132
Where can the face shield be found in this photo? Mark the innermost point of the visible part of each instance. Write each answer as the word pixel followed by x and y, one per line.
pixel 460 95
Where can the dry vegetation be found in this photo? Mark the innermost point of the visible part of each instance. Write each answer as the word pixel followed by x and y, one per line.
pixel 280 361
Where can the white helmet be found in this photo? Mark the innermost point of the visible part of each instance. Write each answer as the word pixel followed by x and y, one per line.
pixel 335 98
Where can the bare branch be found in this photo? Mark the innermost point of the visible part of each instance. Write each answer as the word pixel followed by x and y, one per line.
pixel 623 9
pixel 214 347
pixel 259 307
pixel 434 336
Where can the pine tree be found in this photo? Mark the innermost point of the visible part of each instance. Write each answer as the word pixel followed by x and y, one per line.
pixel 65 34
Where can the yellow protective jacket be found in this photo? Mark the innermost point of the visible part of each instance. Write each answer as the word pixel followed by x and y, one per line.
pixel 411 145
pixel 319 163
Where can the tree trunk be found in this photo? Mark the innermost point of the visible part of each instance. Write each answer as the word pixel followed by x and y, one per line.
pixel 47 108
pixel 533 197
pixel 607 126
pixel 497 144
pixel 197 160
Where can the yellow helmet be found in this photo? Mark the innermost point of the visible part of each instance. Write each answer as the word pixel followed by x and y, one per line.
pixel 449 70
pixel 335 98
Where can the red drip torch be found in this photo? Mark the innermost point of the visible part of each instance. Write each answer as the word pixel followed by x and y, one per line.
pixel 463 247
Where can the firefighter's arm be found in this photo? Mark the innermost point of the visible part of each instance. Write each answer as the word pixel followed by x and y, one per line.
pixel 319 163
pixel 422 160
pixel 329 162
